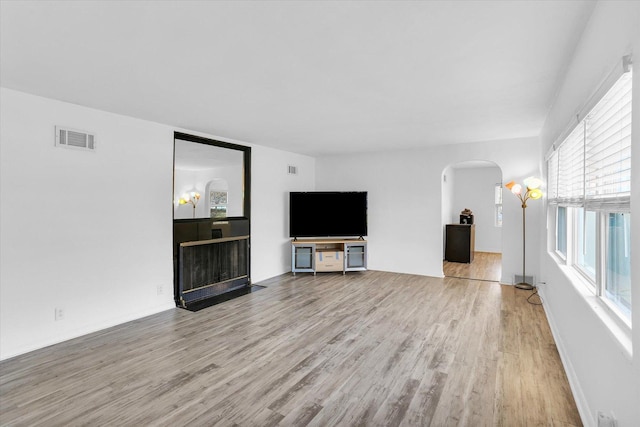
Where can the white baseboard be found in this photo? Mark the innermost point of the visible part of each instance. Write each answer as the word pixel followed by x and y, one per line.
pixel 574 383
pixel 76 333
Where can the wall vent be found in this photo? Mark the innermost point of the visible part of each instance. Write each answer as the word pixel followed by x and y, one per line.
pixel 292 170
pixel 73 138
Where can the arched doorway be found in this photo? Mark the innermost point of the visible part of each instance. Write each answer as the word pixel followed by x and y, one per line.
pixel 472 250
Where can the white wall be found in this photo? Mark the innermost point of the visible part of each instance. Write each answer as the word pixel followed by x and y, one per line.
pixel 448 185
pixel 271 184
pixel 92 232
pixel 474 188
pixel 405 201
pixel 602 374
pixel 83 231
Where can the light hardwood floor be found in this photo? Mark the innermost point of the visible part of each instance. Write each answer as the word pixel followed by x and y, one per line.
pixel 485 266
pixel 370 348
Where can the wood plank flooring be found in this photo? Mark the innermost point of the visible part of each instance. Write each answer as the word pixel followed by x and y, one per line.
pixel 365 349
pixel 485 266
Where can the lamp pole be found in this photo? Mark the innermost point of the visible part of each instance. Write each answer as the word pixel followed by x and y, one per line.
pixel 523 284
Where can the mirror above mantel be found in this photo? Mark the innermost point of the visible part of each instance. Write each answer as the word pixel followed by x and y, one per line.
pixel 210 178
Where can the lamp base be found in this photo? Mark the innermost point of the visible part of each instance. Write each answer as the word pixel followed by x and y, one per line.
pixel 525 286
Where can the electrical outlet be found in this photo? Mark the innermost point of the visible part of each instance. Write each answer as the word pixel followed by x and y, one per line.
pixel 159 289
pixel 606 420
pixel 58 313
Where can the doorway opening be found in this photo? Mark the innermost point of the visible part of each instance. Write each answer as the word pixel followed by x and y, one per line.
pixel 472 221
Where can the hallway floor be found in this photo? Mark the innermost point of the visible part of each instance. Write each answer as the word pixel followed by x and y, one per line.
pixel 485 266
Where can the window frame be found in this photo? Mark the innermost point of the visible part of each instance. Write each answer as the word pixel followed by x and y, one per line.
pixel 562 255
pixel 594 286
pixel 564 193
pixel 576 213
pixel 497 198
pixel 603 271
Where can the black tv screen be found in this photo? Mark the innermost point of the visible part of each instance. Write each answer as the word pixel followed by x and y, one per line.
pixel 328 214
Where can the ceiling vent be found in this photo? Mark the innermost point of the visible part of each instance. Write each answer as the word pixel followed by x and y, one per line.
pixel 73 138
pixel 292 170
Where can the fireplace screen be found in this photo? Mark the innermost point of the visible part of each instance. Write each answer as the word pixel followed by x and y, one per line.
pixel 212 267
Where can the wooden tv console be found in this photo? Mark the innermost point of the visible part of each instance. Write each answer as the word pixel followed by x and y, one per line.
pixel 314 255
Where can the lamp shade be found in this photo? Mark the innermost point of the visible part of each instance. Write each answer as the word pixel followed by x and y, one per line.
pixel 532 183
pixel 535 193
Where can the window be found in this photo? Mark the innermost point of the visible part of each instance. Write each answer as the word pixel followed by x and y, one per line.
pixel 618 265
pixel 561 231
pixel 218 208
pixel 586 242
pixel 498 203
pixel 589 180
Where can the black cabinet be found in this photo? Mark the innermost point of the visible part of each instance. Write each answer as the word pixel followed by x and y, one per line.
pixel 460 242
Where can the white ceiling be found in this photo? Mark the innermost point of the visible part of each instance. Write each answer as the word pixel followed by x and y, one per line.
pixel 474 164
pixel 317 78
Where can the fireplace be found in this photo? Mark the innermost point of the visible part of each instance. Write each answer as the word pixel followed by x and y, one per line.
pixel 210 258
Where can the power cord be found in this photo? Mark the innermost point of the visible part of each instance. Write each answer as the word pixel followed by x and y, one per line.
pixel 535 293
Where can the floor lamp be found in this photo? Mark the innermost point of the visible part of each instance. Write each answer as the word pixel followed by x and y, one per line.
pixel 192 198
pixel 532 191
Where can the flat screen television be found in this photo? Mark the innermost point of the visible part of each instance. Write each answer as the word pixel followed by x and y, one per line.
pixel 328 214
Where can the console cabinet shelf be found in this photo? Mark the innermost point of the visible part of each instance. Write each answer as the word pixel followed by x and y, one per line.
pixel 320 255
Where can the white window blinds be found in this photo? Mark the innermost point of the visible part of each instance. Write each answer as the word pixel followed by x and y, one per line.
pixel 552 178
pixel 608 149
pixel 592 166
pixel 571 168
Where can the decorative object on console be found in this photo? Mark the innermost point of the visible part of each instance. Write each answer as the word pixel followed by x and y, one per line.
pixel 466 216
pixel 532 186
pixel 192 197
